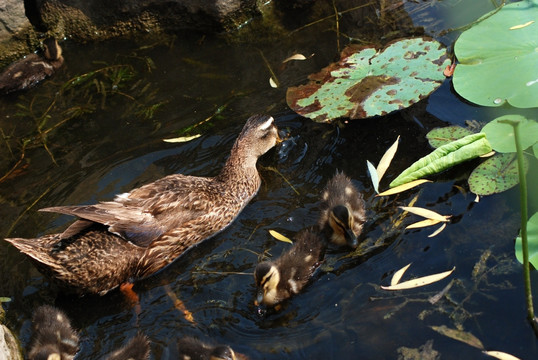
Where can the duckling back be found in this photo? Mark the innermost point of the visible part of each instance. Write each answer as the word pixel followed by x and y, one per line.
pixel 194 349
pixel 136 349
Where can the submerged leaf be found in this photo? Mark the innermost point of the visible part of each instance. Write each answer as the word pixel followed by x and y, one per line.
pixel 501 135
pixel 441 136
pixel 386 159
pixel 295 57
pixel 429 214
pixel 373 175
pixel 182 138
pixel 279 236
pixel 367 82
pixel 496 174
pixel 459 335
pixel 453 153
pixel 532 242
pixel 398 275
pixel 418 282
pixel 404 187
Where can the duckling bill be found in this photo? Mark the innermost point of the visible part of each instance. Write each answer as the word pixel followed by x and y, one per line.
pixel 342 211
pixel 142 231
pixel 286 276
pixel 29 71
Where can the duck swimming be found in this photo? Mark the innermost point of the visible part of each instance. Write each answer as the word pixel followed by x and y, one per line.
pixel 342 211
pixel 140 232
pixel 29 71
pixel 189 348
pixel 286 276
pixel 136 349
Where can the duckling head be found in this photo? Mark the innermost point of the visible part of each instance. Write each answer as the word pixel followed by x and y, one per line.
pixel 53 51
pixel 267 277
pixel 46 352
pixel 222 352
pixel 345 228
pixel 258 136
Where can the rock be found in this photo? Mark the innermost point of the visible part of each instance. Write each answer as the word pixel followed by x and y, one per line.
pixel 9 348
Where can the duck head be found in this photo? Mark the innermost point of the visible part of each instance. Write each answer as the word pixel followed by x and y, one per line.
pixel 222 352
pixel 266 277
pixel 345 226
pixel 258 136
pixel 53 51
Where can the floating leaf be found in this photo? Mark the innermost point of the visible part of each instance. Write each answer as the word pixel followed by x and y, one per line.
pixel 418 282
pixel 521 26
pixel 500 355
pixel 272 83
pixel 496 64
pixel 459 335
pixel 279 236
pixel 441 136
pixel 496 174
pixel 295 57
pixel 438 231
pixel 404 187
pixel 386 159
pixel 429 214
pixel 373 175
pixel 182 138
pixel 398 275
pixel 367 82
pixel 455 152
pixel 501 135
pixel 532 242
pixel 489 154
pixel 423 223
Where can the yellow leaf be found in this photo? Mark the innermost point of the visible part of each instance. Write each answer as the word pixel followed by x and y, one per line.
pixel 500 355
pixel 436 232
pixel 182 139
pixel 398 275
pixel 295 57
pixel 418 282
pixel 459 335
pixel 404 187
pixel 423 223
pixel 515 27
pixel 279 236
pixel 428 214
pixel 272 83
pixel 477 198
pixel 386 159
pixel 489 154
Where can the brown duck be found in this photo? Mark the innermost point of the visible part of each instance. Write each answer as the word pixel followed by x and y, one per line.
pixel 342 211
pixel 27 72
pixel 142 231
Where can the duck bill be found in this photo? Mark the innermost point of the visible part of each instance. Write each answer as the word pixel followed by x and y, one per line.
pixel 351 239
pixel 259 298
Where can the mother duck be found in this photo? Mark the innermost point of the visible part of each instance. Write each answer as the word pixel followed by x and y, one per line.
pixel 142 231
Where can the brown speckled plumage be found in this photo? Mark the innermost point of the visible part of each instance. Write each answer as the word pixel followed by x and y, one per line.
pixel 27 72
pixel 342 211
pixel 140 232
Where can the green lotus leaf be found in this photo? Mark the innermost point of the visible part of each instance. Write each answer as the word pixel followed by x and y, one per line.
pixel 532 242
pixel 448 155
pixel 535 150
pixel 496 174
pixel 501 136
pixel 498 58
pixel 367 82
pixel 441 136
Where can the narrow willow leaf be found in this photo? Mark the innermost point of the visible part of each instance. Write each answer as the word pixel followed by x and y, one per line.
pixel 477 199
pixel 398 275
pixel 373 175
pixel 428 214
pixel 387 159
pixel 469 147
pixel 423 223
pixel 404 187
pixel 438 231
pixel 272 83
pixel 521 26
pixel 459 335
pixel 489 154
pixel 418 282
pixel 279 236
pixel 182 138
pixel 295 57
pixel 500 355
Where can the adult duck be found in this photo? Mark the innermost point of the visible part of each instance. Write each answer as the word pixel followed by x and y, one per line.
pixel 142 231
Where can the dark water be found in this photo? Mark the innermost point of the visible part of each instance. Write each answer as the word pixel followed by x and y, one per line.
pixel 343 313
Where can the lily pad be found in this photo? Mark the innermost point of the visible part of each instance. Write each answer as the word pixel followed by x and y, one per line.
pixel 367 82
pixel 498 61
pixel 501 136
pixel 496 174
pixel 532 242
pixel 441 136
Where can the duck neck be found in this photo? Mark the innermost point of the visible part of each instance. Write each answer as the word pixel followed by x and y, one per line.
pixel 240 166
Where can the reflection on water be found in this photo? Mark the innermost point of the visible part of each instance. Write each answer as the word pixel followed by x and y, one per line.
pixel 342 313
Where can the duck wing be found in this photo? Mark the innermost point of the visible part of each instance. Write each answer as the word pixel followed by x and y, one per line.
pixel 145 213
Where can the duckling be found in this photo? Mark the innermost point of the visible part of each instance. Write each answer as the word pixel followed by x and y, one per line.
pixel 193 349
pixel 286 276
pixel 140 232
pixel 342 211
pixel 27 72
pixel 136 349
pixel 53 337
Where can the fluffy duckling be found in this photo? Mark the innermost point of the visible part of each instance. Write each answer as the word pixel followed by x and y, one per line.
pixel 193 349
pixel 140 232
pixel 27 72
pixel 53 337
pixel 136 349
pixel 342 211
pixel 286 276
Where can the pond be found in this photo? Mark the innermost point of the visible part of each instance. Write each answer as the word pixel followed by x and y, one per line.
pixel 105 136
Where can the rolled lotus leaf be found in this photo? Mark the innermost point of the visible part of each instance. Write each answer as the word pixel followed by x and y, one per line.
pixel 445 156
